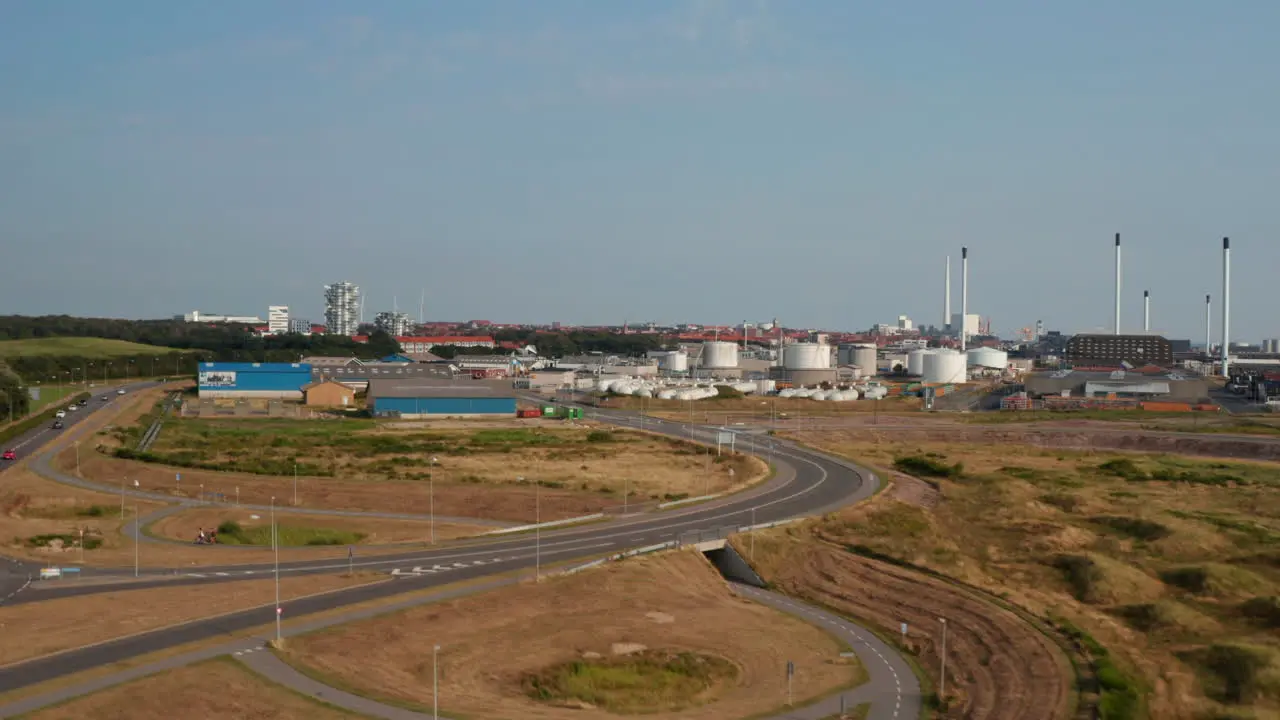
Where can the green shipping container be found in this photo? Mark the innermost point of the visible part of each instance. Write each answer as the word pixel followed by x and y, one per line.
pixel 548 411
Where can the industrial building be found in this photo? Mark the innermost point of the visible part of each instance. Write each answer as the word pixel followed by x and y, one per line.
pixel 195 316
pixel 328 393
pixel 359 374
pixel 1120 385
pixel 411 344
pixel 342 308
pixel 253 380
pixel 546 380
pixel 412 399
pixel 1116 350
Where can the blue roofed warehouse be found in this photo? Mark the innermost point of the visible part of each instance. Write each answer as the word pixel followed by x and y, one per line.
pixel 253 380
pixel 409 399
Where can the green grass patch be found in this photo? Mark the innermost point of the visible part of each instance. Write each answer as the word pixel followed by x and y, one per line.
pixel 63 539
pixel 1120 695
pixel 1232 673
pixel 645 682
pixel 231 533
pixel 80 347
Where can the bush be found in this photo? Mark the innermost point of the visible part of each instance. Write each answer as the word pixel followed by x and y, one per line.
pixel 928 466
pixel 230 527
pixel 728 392
pixel 600 436
pixel 1263 610
pixel 1124 468
pixel 1134 527
pixel 1238 668
pixel 1082 574
pixel 1191 579
pixel 92 511
pixel 1063 501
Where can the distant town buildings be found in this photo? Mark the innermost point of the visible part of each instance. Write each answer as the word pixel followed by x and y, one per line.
pixel 393 323
pixel 195 316
pixel 342 308
pixel 277 319
pixel 300 326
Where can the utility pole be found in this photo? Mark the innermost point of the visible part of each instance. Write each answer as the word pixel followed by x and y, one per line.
pixel 537 532
pixel 435 682
pixel 295 483
pixel 431 491
pixel 137 540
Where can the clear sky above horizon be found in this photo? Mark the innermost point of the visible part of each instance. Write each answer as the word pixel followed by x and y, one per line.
pixel 595 162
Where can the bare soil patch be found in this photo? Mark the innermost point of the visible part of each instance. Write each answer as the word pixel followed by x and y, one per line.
pixel 220 688
pixel 38 628
pixel 492 643
pixel 375 531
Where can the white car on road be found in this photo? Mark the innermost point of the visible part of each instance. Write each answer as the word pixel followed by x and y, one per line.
pixel 120 391
pixel 60 414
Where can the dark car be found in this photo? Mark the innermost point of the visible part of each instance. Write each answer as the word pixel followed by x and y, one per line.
pixel 57 425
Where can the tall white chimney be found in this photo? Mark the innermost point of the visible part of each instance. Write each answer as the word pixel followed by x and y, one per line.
pixel 946 297
pixel 1226 305
pixel 1146 311
pixel 1208 327
pixel 964 298
pixel 1117 283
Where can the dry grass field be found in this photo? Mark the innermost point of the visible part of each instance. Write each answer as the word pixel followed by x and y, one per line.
pixel 329 529
pixel 657 634
pixel 1169 562
pixel 758 409
pixel 33 629
pixel 489 472
pixel 219 688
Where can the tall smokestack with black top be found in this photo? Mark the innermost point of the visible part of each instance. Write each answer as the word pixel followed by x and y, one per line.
pixel 1117 283
pixel 964 298
pixel 1146 311
pixel 1226 305
pixel 946 297
pixel 1208 328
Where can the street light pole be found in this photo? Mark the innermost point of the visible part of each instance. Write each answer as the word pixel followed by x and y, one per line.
pixel 275 542
pixel 537 532
pixel 295 483
pixel 122 498
pixel 136 540
pixel 431 492
pixel 942 681
pixel 435 682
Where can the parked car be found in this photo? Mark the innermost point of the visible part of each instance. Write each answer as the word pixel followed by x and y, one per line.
pixel 57 425
pixel 10 455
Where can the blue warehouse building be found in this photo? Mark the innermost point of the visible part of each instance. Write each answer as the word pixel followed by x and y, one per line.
pixel 253 380
pixel 409 399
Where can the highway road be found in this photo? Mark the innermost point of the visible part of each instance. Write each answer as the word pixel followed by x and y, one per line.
pixel 805 483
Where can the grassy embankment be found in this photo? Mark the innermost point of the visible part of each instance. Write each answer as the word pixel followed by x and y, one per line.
pixel 1165 566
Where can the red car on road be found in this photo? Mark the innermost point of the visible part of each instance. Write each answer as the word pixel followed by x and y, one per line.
pixel 10 455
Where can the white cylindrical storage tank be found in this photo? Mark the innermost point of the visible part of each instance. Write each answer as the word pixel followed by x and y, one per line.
pixel 864 356
pixel 806 356
pixel 844 353
pixel 764 387
pixel 717 354
pixel 986 357
pixel 915 362
pixel 944 367
pixel 678 361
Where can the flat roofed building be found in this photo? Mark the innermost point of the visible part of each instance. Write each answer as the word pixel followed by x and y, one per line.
pixel 418 399
pixel 328 393
pixel 1136 350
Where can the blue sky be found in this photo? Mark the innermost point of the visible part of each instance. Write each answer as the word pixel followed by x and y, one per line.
pixel 593 162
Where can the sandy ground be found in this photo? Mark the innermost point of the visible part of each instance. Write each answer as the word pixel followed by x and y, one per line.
pixel 220 688
pixel 38 628
pixel 673 601
pixel 997 665
pixel 479 486
pixel 184 525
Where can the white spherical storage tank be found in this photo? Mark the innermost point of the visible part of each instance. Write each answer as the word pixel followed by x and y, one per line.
pixel 988 358
pixel 717 354
pixel 806 356
pixel 915 362
pixel 944 367
pixel 864 356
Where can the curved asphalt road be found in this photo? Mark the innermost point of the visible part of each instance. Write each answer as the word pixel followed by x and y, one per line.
pixel 805 483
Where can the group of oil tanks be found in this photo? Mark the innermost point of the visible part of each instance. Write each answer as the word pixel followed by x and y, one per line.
pixel 869 392
pixel 946 366
pixel 667 391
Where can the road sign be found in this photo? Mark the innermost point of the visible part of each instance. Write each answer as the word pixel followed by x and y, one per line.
pixel 904 629
pixel 724 438
pixel 351 551
pixel 50 573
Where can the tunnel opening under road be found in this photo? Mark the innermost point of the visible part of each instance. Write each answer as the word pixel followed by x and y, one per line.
pixel 732 566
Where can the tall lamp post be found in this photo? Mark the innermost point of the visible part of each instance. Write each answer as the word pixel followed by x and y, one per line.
pixel 275 543
pixel 942 679
pixel 435 682
pixel 431 492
